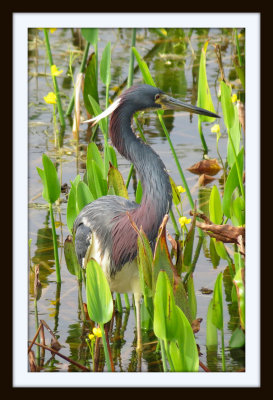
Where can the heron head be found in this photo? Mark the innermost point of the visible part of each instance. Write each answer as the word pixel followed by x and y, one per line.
pixel 147 97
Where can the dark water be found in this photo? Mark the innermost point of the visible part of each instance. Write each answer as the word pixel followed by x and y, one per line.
pixel 174 64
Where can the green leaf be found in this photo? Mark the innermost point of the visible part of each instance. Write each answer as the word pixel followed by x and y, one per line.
pixel 144 260
pixel 204 99
pixel 175 192
pixel 183 350
pixel 235 133
pixel 93 153
pixel 213 254
pixel 231 183
pixel 217 306
pixel 215 206
pixel 98 294
pixel 91 35
pixel 71 211
pixel 220 249
pixel 41 172
pixel 238 211
pixel 138 193
pixel 227 106
pixel 96 111
pixel 84 196
pixel 240 289
pixel 212 335
pixel 52 187
pixel 192 297
pixel 105 64
pixel 188 246
pixel 115 180
pixel 71 257
pixel 237 339
pixel 144 68
pixel 165 313
pixel 97 184
pixel 90 85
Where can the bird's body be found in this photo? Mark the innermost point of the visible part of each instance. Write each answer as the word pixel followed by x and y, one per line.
pixel 102 229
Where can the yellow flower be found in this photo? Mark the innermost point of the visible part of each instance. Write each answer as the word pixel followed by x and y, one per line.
pixel 180 189
pixel 91 336
pixel 234 98
pixel 215 128
pixel 52 30
pixel 55 71
pixel 50 98
pixel 184 220
pixel 97 332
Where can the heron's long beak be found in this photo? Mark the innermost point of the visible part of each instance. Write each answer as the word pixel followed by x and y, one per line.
pixel 170 103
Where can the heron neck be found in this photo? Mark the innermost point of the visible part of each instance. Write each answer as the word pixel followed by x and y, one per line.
pixel 156 188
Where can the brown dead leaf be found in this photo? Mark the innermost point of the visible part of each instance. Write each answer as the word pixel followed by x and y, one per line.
pixel 209 167
pixel 31 359
pixel 204 179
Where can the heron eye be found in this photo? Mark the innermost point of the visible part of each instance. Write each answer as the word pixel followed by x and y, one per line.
pixel 157 96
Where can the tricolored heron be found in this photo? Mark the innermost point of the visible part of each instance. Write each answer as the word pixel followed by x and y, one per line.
pixel 102 229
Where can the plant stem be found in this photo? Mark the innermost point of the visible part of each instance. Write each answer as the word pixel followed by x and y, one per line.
pixel 132 59
pixel 55 83
pixel 107 357
pixel 118 303
pixel 85 54
pixel 223 350
pixel 174 223
pixel 163 355
pixel 127 302
pixel 55 245
pixel 202 136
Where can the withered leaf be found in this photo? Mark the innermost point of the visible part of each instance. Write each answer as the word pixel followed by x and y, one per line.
pixel 209 167
pixel 204 179
pixel 196 325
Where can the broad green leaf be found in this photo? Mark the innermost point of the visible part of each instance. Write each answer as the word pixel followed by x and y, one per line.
pixel 138 193
pixel 227 106
pixel 212 335
pixel 165 310
pixel 217 306
pixel 215 206
pixel 71 211
pixel 240 290
pixel 41 172
pixel 96 111
pixel 235 133
pixel 93 153
pixel 112 156
pixel 84 196
pixel 175 192
pixel 90 85
pixel 204 99
pixel 183 349
pixel 238 211
pixel 203 199
pixel 231 183
pixel 146 313
pixel 144 68
pixel 237 339
pixel 213 254
pixel 188 246
pixel 220 249
pixel 162 260
pixel 71 257
pixel 52 187
pixel 105 65
pixel 90 34
pixel 98 294
pixel 115 180
pixel 192 297
pixel 145 260
pixel 96 182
